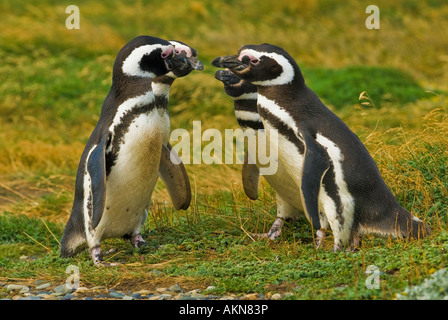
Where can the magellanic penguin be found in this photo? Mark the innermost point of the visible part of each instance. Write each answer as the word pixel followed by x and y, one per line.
pixel 335 177
pixel 120 164
pixel 244 95
pixel 161 86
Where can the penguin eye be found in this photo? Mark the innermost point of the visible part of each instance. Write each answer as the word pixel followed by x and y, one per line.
pixel 165 54
pixel 177 51
pixel 254 61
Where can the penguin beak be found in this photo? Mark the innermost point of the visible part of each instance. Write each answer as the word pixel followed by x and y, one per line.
pixel 226 76
pixel 184 63
pixel 195 64
pixel 230 62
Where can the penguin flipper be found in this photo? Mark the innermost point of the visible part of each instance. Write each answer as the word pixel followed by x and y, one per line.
pixel 175 177
pixel 250 175
pixel 315 165
pixel 96 167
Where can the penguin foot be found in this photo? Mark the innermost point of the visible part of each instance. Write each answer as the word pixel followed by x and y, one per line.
pixel 320 236
pixel 274 233
pixel 96 255
pixel 137 241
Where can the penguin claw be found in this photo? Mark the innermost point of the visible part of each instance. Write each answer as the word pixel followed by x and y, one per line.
pixel 274 233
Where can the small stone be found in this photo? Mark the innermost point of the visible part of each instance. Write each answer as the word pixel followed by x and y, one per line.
pixel 276 296
pixel 43 286
pixel 145 292
pixel 115 294
pixel 175 288
pixel 161 289
pixel 63 289
pixel 128 298
pixel 165 297
pixel 13 287
pixel 154 297
pixel 137 295
pixel 209 288
pixel 97 288
pixel 250 296
pixel 38 282
pixel 51 297
pixel 42 294
pixel 88 298
pixel 68 296
pixel 29 298
pixel 195 291
pixel 82 290
pixel 24 289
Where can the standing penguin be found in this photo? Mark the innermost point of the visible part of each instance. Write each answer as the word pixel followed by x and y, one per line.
pixel 336 180
pixel 161 86
pixel 245 95
pixel 120 163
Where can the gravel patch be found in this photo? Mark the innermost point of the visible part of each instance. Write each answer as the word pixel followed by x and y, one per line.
pixel 42 290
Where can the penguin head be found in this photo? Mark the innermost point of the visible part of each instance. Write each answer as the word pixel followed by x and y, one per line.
pixel 263 65
pixel 189 58
pixel 234 86
pixel 146 57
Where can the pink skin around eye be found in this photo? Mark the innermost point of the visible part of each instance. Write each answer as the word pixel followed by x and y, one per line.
pixel 179 50
pixel 167 52
pixel 253 59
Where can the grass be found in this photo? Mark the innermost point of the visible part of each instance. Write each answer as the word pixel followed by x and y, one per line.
pixel 53 82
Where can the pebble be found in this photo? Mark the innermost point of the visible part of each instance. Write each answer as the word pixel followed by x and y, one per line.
pixel 276 296
pixel 43 286
pixel 175 288
pixel 63 289
pixel 13 287
pixel 115 294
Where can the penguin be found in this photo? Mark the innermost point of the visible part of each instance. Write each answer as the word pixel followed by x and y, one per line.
pixel 121 161
pixel 161 86
pixel 337 182
pixel 245 95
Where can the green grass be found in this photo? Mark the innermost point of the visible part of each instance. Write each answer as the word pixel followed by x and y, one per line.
pixel 52 85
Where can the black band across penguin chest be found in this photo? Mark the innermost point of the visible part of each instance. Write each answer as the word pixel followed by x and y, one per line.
pixel 121 126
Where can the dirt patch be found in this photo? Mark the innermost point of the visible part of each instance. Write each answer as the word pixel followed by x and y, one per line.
pixel 15 192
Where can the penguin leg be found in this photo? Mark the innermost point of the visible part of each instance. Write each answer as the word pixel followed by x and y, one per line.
pixel 250 177
pixel 285 212
pixel 320 236
pixel 137 241
pixel 96 255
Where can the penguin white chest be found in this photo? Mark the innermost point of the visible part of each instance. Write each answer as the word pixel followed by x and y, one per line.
pixel 287 180
pixel 132 178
